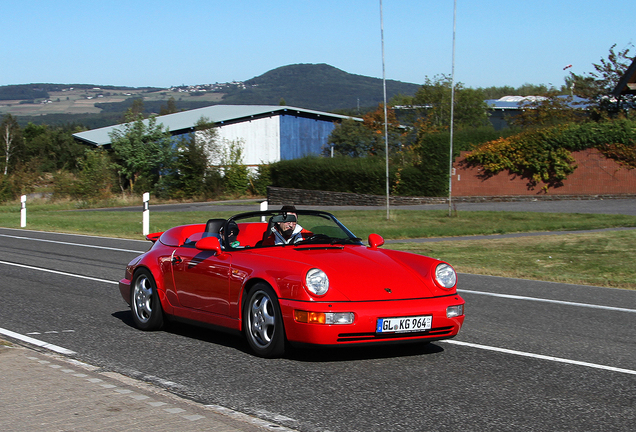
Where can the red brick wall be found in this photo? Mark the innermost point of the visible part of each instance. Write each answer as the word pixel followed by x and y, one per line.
pixel 594 175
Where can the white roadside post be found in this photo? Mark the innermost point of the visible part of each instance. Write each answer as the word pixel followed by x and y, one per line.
pixel 263 208
pixel 23 211
pixel 146 214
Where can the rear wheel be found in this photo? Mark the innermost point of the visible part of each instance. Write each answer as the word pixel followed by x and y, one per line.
pixel 144 302
pixel 263 322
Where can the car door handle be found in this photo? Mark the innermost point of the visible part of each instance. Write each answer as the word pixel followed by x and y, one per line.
pixel 176 259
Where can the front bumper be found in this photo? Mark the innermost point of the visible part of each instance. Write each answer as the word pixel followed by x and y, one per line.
pixel 363 329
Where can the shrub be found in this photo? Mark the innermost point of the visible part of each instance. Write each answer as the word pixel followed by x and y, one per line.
pixel 544 155
pixel 433 153
pixel 260 180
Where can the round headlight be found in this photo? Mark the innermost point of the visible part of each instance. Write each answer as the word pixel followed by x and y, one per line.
pixel 317 281
pixel 445 276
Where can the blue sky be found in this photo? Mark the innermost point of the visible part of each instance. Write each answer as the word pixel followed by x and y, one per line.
pixel 163 43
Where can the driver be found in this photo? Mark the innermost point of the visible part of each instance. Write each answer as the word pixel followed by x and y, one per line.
pixel 286 229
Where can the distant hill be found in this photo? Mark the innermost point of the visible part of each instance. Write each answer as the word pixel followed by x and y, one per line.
pixel 311 86
pixel 316 86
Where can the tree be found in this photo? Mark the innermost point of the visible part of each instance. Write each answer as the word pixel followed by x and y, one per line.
pixel 433 103
pixel 354 138
pixel 95 180
pixel 169 108
pixel 11 140
pixel 51 148
pixel 192 165
pixel 135 111
pixel 548 110
pixel 597 86
pixel 142 150
pixel 235 173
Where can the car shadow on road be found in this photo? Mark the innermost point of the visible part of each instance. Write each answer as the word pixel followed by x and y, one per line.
pixel 363 352
pixel 302 354
pixel 215 335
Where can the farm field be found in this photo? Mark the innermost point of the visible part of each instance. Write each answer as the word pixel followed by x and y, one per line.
pixel 82 101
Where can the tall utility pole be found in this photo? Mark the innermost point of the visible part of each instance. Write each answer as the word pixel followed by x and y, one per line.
pixel 452 110
pixel 386 126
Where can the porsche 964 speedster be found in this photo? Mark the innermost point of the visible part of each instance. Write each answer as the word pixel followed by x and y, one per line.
pixel 299 278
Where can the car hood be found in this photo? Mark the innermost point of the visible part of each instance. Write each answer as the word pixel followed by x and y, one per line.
pixel 360 273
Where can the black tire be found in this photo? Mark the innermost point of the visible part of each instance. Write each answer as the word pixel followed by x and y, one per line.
pixel 263 322
pixel 144 302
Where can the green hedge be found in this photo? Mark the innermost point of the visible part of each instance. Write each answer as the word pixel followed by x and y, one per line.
pixel 366 175
pixel 463 140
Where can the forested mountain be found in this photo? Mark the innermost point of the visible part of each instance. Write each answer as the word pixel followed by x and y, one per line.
pixel 311 86
pixel 316 86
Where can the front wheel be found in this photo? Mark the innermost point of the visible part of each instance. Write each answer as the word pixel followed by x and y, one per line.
pixel 144 302
pixel 263 322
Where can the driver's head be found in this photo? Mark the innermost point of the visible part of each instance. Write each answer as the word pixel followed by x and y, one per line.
pixel 287 220
pixel 231 234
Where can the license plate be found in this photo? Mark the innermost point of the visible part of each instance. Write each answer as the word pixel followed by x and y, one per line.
pixel 404 324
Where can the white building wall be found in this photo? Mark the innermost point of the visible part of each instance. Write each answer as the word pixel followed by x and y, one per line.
pixel 260 138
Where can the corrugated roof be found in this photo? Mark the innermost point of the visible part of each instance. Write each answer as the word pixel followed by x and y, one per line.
pixel 518 102
pixel 219 114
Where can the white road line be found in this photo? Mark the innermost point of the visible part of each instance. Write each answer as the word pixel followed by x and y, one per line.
pixel 71 244
pixel 58 272
pixel 22 230
pixel 542 357
pixel 36 342
pixel 516 297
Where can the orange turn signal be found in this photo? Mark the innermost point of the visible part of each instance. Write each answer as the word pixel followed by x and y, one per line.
pixel 310 317
pixel 324 317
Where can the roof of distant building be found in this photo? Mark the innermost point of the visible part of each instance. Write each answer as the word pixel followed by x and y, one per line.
pixel 627 84
pixel 517 102
pixel 185 121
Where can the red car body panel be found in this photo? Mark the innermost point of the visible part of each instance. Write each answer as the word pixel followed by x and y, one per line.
pixel 370 282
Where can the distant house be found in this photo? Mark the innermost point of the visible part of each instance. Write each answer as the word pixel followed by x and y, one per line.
pixel 268 133
pixel 502 110
pixel 627 83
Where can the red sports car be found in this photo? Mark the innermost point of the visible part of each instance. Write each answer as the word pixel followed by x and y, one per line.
pixel 296 277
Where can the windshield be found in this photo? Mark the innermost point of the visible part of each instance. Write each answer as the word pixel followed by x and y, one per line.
pixel 275 228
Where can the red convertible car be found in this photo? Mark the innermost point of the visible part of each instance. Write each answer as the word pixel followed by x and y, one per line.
pixel 291 277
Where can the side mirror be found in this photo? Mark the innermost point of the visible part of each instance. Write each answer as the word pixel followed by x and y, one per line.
pixel 154 236
pixel 209 244
pixel 375 240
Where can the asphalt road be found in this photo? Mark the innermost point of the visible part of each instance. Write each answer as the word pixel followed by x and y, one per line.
pixel 531 355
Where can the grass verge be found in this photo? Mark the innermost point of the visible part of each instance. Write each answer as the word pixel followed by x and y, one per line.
pixel 600 259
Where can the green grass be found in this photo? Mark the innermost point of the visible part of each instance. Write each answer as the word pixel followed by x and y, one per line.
pixel 604 259
pixel 405 224
pixel 122 224
pixel 601 259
